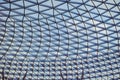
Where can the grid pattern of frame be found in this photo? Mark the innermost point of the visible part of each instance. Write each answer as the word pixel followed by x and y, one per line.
pixel 60 39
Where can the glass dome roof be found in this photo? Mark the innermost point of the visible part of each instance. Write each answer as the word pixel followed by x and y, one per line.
pixel 60 39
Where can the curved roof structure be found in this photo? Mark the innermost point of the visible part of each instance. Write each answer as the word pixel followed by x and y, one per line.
pixel 60 39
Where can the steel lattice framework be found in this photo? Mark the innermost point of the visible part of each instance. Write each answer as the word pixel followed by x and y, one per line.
pixel 60 39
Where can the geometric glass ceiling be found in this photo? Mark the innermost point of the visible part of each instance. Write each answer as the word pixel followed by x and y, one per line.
pixel 60 39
